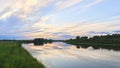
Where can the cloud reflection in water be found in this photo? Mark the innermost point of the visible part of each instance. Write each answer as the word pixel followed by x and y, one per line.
pixel 61 55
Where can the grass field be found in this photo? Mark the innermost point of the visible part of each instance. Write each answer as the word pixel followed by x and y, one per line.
pixel 12 55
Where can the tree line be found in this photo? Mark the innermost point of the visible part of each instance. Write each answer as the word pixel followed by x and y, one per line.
pixel 104 39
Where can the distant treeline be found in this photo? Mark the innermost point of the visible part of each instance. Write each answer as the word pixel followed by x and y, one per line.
pixel 36 41
pixel 22 41
pixel 110 42
pixel 106 39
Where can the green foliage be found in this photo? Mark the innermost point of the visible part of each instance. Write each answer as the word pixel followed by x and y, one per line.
pixel 12 55
pixel 41 41
pixel 111 41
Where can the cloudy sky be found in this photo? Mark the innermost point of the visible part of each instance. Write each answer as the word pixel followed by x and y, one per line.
pixel 58 19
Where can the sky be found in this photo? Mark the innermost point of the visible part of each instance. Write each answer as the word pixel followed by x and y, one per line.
pixel 58 19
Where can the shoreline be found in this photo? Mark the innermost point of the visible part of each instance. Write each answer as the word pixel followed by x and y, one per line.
pixel 13 55
pixel 115 47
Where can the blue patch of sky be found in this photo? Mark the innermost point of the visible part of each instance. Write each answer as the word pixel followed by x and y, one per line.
pixel 100 11
pixel 9 24
pixel 66 36
pixel 93 32
pixel 8 37
pixel 60 33
pixel 116 31
pixel 45 10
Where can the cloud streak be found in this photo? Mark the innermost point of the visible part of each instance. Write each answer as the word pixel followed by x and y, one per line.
pixel 62 4
pixel 38 18
pixel 22 8
pixel 93 3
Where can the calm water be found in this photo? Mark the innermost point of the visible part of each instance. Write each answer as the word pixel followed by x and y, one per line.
pixel 61 55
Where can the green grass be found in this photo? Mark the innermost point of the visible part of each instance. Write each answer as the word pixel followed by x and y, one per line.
pixel 12 55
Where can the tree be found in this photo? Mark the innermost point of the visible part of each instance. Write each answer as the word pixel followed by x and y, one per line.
pixel 84 38
pixel 78 37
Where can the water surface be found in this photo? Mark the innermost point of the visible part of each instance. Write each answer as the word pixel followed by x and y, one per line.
pixel 62 55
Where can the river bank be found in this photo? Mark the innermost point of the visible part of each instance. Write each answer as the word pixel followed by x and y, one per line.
pixel 12 55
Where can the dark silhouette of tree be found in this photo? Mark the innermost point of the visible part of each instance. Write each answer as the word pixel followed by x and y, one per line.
pixel 78 37
pixel 84 38
pixel 38 41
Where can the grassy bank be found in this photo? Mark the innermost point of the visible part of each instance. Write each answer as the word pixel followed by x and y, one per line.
pixel 12 55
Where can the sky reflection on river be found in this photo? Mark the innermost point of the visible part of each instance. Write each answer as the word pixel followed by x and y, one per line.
pixel 61 55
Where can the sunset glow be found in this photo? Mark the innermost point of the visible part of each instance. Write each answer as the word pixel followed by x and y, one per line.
pixel 58 19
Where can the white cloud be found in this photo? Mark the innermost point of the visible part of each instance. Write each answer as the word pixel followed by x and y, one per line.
pixel 48 30
pixel 24 9
pixel 44 18
pixel 6 15
pixel 62 4
pixel 38 26
pixel 93 3
pixel 21 8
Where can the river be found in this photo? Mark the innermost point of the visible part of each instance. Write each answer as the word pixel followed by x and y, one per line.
pixel 62 55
